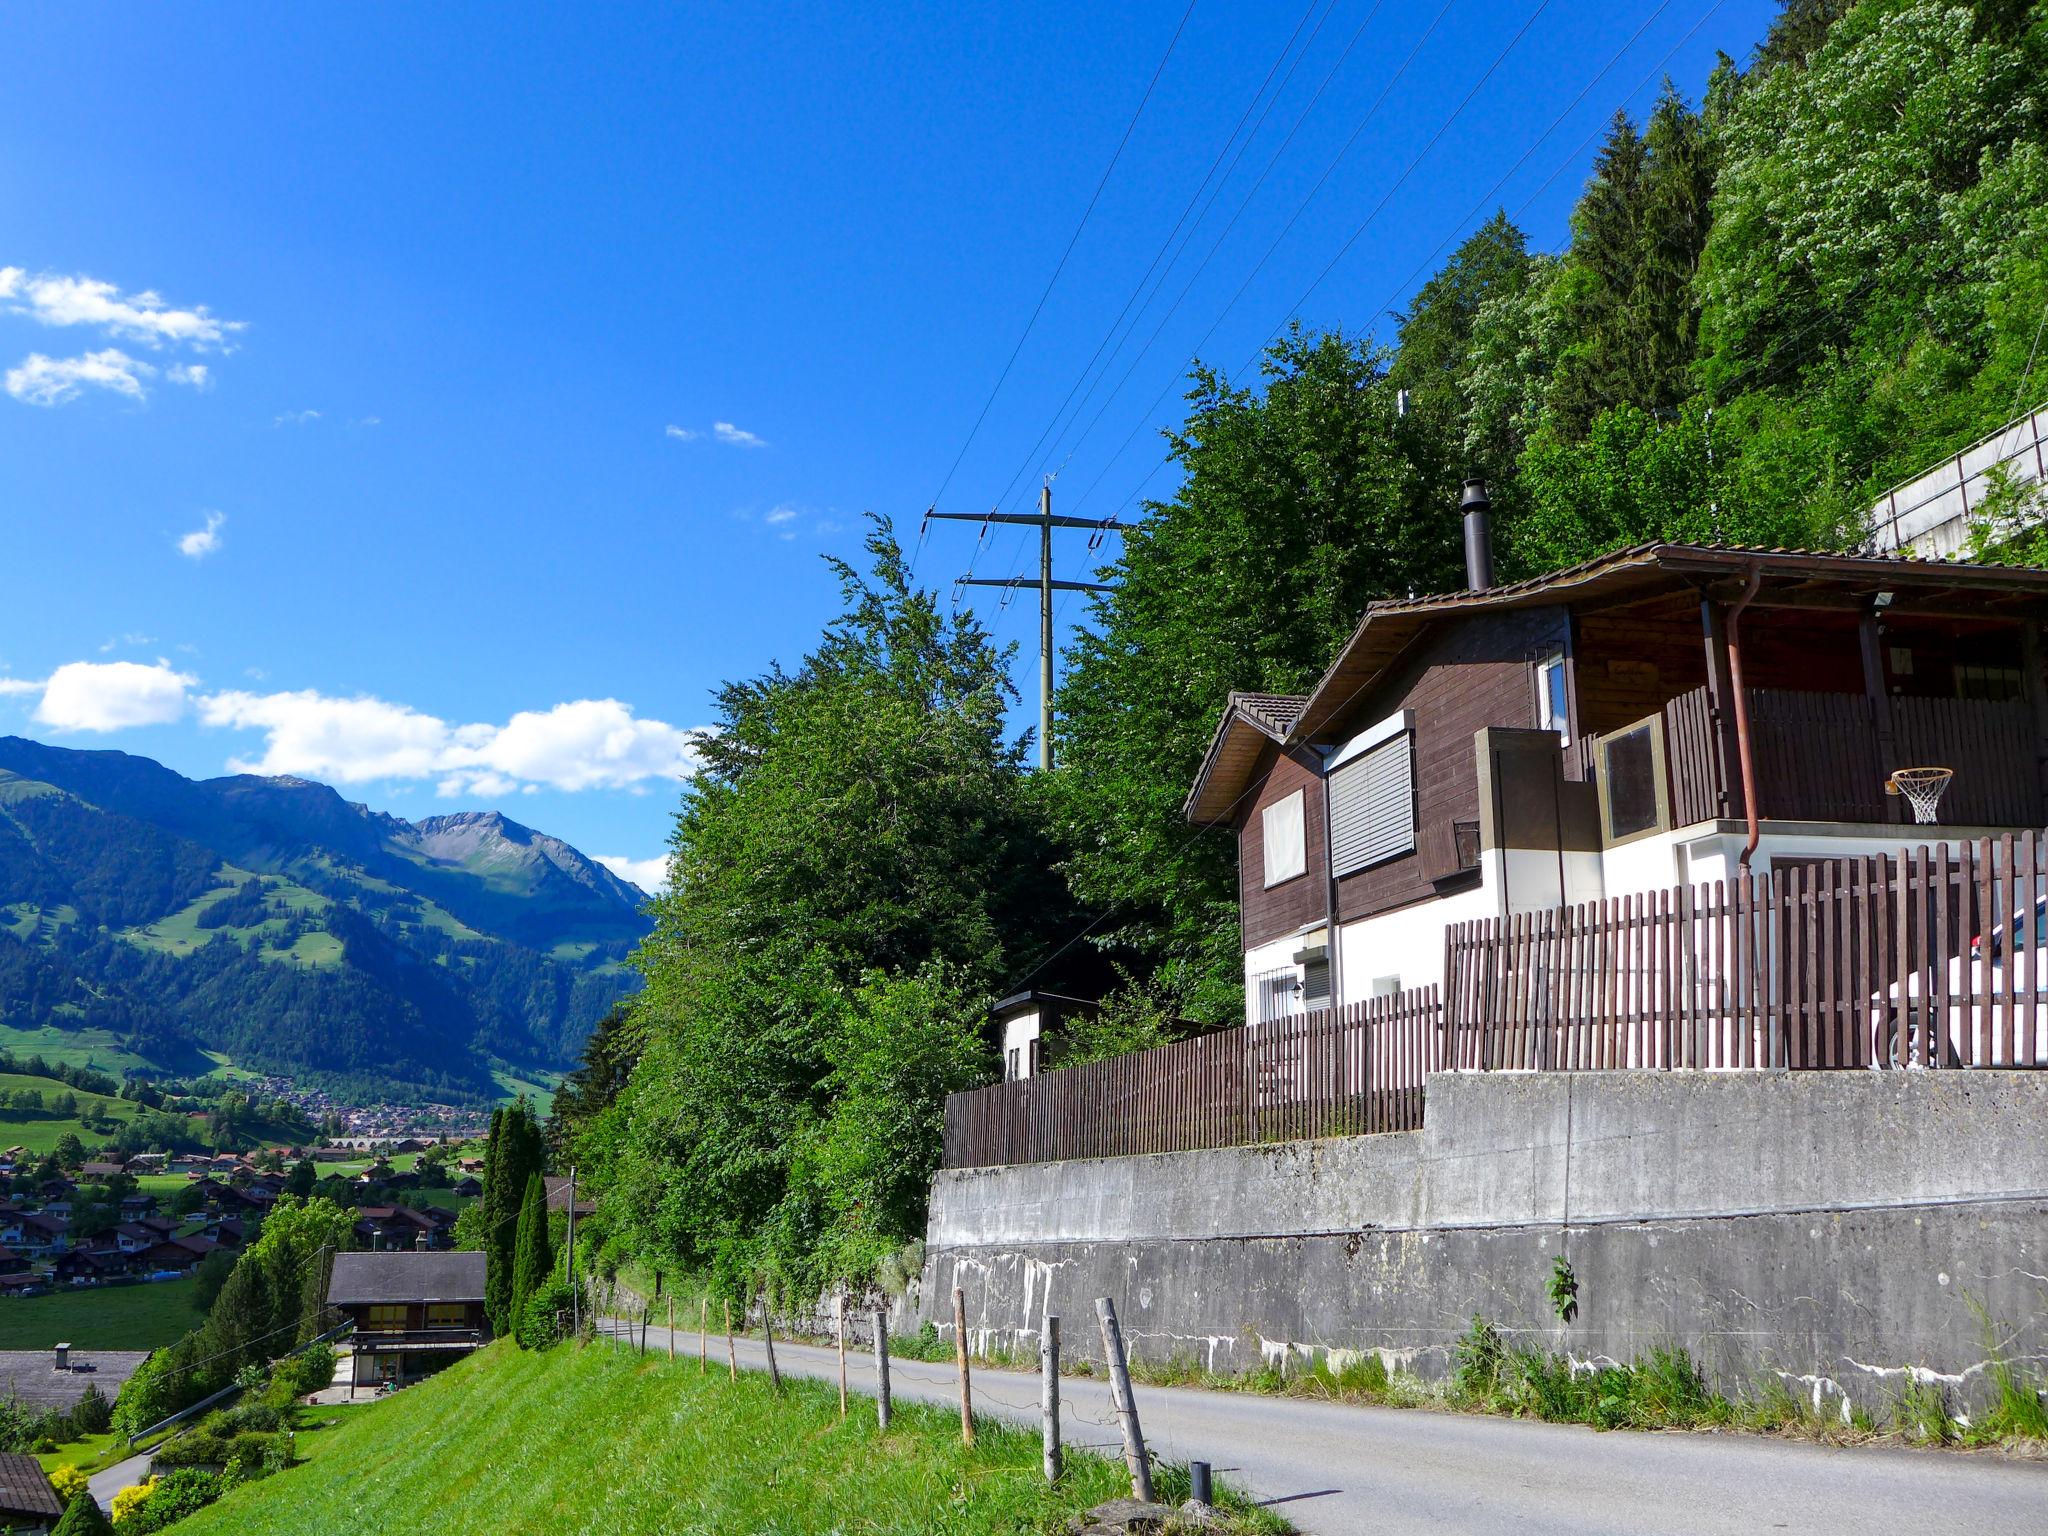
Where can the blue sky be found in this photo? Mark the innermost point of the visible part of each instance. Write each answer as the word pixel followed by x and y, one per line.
pixel 441 401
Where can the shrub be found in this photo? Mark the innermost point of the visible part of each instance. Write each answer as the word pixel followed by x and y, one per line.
pixel 69 1482
pixel 199 1448
pixel 541 1324
pixel 129 1500
pixel 253 1455
pixel 171 1498
pixel 1478 1357
pixel 300 1375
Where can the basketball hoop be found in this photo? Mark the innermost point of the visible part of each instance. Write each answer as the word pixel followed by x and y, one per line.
pixel 1923 787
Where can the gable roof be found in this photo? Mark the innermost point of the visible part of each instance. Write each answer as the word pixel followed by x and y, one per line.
pixel 25 1488
pixel 1250 722
pixel 363 1278
pixel 1389 626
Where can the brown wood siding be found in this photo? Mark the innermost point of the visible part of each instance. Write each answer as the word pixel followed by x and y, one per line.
pixel 1472 673
pixel 1271 914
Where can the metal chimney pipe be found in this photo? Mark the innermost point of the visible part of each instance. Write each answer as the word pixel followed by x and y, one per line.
pixel 1478 510
pixel 419 1243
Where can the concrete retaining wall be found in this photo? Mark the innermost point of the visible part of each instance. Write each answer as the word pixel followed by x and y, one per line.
pixel 1837 1230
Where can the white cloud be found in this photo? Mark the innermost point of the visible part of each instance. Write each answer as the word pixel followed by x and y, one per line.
pixel 317 736
pixel 192 375
pixel 726 432
pixel 775 517
pixel 127 639
pixel 45 380
pixel 10 686
pixel 294 418
pixel 144 317
pixel 584 744
pixel 651 875
pixel 201 542
pixel 106 695
pixel 370 421
pixel 681 434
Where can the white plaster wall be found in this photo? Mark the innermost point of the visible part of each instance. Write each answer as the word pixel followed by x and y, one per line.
pixel 1409 941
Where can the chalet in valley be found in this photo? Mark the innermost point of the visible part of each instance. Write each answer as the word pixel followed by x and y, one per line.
pixel 414 1312
pixel 1668 715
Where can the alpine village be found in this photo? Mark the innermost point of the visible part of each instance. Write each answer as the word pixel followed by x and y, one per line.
pixel 1471 955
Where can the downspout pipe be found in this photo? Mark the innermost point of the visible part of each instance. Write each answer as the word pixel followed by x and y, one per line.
pixel 1743 750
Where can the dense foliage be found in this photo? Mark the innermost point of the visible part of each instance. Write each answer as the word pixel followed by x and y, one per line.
pixel 858 867
pixel 514 1159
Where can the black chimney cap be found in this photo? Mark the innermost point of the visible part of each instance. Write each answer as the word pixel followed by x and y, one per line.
pixel 1475 498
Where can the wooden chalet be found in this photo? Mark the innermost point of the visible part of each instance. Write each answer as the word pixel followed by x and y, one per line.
pixel 29 1506
pixel 414 1312
pixel 1664 715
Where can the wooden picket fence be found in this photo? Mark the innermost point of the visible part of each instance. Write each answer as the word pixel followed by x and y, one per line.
pixel 1346 1072
pixel 1932 958
pixel 1839 963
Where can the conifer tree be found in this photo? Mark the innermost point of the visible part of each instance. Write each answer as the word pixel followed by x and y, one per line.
pixel 516 1155
pixel 84 1517
pixel 534 1259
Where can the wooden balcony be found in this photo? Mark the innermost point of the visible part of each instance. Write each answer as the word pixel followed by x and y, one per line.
pixel 1825 757
pixel 408 1340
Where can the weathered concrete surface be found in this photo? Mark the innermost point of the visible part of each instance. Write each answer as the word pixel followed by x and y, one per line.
pixel 1837 1230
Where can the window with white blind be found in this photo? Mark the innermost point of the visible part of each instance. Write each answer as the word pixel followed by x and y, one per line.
pixel 1283 833
pixel 1372 806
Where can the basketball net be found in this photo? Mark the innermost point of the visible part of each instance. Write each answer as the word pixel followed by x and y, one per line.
pixel 1922 787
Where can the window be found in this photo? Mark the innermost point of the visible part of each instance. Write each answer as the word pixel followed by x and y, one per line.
pixel 1372 806
pixel 387 1316
pixel 447 1314
pixel 1553 712
pixel 1285 840
pixel 1974 680
pixel 1276 995
pixel 1632 780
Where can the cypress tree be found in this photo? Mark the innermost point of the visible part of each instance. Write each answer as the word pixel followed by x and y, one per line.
pixel 497 1209
pixel 84 1518
pixel 534 1260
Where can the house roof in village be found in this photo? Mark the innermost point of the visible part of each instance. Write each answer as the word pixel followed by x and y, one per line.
pixel 30 1375
pixel 363 1278
pixel 1785 576
pixel 25 1488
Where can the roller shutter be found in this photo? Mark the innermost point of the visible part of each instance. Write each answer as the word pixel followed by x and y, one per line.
pixel 1372 806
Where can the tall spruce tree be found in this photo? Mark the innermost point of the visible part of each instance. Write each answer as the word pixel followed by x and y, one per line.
pixel 533 1258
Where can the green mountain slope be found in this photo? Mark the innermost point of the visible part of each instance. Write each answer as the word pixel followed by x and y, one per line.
pixel 275 922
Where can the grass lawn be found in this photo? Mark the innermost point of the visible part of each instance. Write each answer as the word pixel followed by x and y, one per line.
pixel 539 1088
pixel 599 1440
pixel 101 1317
pixel 88 1455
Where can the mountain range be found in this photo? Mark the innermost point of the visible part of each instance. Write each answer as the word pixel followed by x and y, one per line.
pixel 155 923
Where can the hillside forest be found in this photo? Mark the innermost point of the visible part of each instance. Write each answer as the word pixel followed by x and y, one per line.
pixel 1789 286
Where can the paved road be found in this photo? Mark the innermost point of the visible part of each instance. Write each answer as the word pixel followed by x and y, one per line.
pixel 1337 1470
pixel 111 1480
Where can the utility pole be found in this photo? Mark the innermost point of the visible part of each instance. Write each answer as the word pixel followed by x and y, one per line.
pixel 575 1309
pixel 1044 522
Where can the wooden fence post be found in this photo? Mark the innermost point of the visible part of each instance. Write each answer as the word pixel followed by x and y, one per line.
pixel 732 1353
pixel 768 1340
pixel 1126 1405
pixel 703 1330
pixel 671 1330
pixel 1049 1395
pixel 881 1368
pixel 960 1355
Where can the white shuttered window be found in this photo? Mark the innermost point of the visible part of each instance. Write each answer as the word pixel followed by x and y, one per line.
pixel 1372 806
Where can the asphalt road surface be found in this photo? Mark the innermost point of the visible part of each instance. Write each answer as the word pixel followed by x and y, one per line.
pixel 1337 1470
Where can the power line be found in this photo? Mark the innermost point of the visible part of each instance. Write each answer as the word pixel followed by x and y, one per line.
pixel 1072 240
pixel 1569 159
pixel 1216 245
